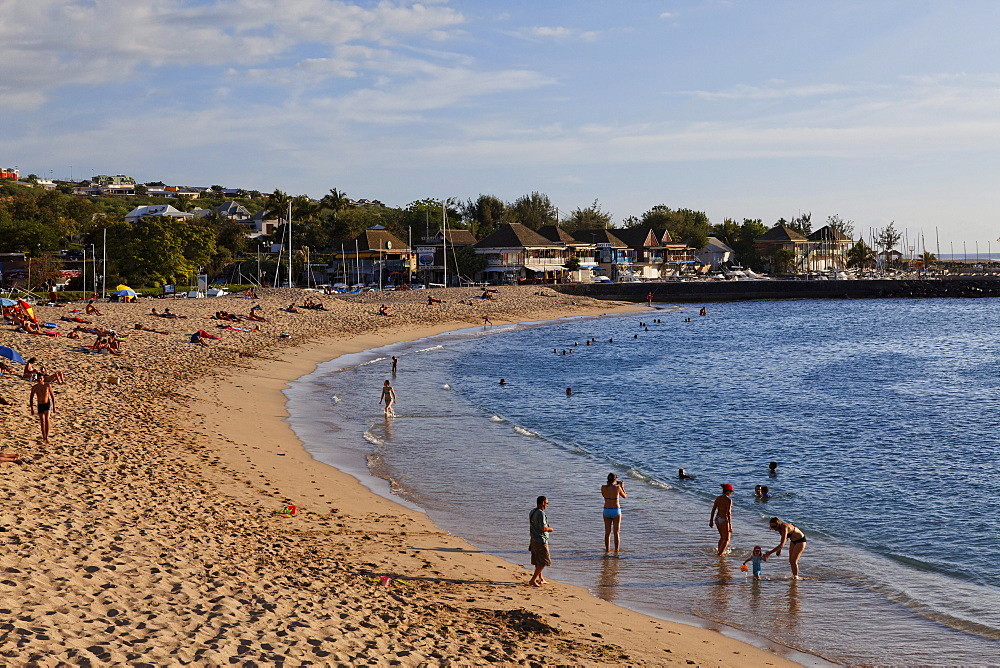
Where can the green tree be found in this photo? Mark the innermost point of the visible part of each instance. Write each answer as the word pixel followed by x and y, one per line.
pixel 845 227
pixel 861 256
pixel 572 264
pixel 589 218
pixel 801 224
pixel 888 237
pixel 685 226
pixel 483 215
pixel 781 260
pixel 156 250
pixel 533 211
pixel 465 261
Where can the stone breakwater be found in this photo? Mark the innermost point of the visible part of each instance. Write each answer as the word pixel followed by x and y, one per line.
pixel 721 291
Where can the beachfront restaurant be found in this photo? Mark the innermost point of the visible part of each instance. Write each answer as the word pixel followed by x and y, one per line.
pixel 375 257
pixel 612 255
pixel 516 254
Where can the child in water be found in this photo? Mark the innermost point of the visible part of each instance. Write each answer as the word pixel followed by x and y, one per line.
pixel 756 558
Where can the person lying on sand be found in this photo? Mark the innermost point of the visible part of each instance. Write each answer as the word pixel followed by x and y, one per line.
pixel 76 318
pixel 167 314
pixel 434 300
pixel 53 376
pixel 291 308
pixel 4 402
pixel 11 457
pixel 256 318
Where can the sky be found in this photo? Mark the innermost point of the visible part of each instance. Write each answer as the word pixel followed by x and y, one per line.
pixel 875 111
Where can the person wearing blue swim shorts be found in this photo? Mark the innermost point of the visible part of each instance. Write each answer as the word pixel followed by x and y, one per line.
pixel 611 492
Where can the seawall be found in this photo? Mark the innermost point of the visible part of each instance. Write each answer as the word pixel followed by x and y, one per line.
pixel 720 291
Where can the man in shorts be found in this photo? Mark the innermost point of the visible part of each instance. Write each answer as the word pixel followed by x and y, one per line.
pixel 539 545
pixel 42 394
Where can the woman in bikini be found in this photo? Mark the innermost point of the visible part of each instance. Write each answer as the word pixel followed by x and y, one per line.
pixel 612 511
pixel 796 543
pixel 389 397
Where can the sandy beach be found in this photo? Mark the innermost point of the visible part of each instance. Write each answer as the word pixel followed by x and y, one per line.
pixel 146 532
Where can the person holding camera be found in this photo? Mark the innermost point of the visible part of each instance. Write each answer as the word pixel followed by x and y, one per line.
pixel 611 492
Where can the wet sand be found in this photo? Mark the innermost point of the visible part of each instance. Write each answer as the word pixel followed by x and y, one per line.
pixel 146 533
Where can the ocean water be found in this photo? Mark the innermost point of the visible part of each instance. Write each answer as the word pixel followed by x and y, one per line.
pixel 882 414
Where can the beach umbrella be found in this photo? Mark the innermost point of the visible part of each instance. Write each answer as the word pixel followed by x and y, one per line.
pixel 11 354
pixel 7 302
pixel 26 307
pixel 125 292
pixel 123 287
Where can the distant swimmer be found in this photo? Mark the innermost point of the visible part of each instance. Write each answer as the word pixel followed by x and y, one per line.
pixel 722 517
pixel 703 311
pixel 611 340
pixel 683 475
pixel 503 382
pixel 588 343
pixel 388 398
pixel 569 391
pixel 635 336
pixel 772 469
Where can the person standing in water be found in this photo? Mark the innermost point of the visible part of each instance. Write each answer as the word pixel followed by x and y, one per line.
pixel 722 516
pixel 388 398
pixel 395 363
pixel 796 543
pixel 611 492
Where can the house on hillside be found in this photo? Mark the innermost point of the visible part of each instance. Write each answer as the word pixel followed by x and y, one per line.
pixel 263 222
pixel 517 254
pixel 163 210
pixel 233 211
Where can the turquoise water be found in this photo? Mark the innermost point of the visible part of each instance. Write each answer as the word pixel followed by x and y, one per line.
pixel 881 414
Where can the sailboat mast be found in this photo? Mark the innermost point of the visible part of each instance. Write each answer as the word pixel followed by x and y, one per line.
pixel 444 242
pixel 289 243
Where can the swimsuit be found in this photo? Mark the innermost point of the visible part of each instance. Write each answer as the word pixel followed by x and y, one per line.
pixel 719 521
pixel 44 408
pixel 611 513
pixel 799 540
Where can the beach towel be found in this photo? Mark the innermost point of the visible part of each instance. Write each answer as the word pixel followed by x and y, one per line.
pixel 236 329
pixel 205 335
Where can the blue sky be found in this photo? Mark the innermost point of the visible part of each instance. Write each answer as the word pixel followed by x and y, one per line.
pixel 874 111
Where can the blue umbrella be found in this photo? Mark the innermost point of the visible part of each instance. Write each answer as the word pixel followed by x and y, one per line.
pixel 7 302
pixel 11 354
pixel 125 293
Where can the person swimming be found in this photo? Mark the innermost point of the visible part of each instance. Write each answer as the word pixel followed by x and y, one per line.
pixel 682 475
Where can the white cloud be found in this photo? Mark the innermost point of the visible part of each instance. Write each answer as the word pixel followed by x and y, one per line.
pixel 556 33
pixel 50 43
pixel 668 15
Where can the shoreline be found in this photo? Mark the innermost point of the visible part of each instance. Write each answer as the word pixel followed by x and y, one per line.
pixel 146 530
pixel 488 566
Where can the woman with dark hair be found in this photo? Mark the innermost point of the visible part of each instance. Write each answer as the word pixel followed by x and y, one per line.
pixel 796 543
pixel 612 511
